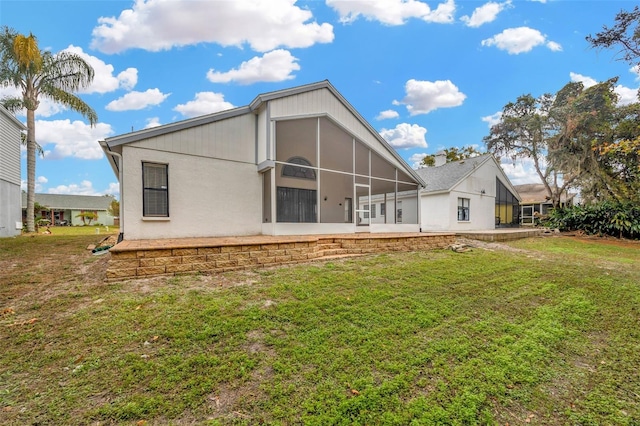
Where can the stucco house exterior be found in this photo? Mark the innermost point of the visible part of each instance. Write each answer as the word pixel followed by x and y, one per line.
pixel 292 162
pixel 469 195
pixel 536 202
pixel 10 137
pixel 64 208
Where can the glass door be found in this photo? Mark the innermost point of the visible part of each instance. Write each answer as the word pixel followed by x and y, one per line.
pixel 363 203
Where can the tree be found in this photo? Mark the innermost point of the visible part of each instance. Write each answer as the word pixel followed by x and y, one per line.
pixel 114 208
pixel 625 34
pixel 452 154
pixel 37 74
pixel 560 133
pixel 524 133
pixel 87 216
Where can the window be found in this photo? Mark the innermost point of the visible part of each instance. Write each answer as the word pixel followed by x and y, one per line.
pixel 373 211
pixel 399 212
pixel 383 207
pixel 366 213
pixel 290 170
pixel 155 185
pixel 296 205
pixel 463 209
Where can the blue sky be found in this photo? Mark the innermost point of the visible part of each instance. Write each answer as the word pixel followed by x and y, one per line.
pixel 426 74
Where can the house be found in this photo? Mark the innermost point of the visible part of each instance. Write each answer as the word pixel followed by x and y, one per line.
pixel 292 162
pixel 468 195
pixel 536 202
pixel 10 138
pixel 63 209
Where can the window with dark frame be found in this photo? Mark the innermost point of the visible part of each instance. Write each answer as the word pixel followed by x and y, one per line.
pixel 289 170
pixel 463 209
pixel 155 186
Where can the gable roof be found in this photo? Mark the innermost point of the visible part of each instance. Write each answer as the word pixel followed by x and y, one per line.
pixel 533 193
pixel 253 106
pixel 445 177
pixel 70 202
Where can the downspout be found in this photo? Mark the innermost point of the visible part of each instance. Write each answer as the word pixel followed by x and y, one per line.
pixel 120 175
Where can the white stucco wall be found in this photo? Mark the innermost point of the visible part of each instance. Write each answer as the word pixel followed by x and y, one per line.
pixel 207 197
pixel 434 212
pixel 439 212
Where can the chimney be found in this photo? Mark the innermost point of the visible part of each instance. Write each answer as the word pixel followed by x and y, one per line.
pixel 441 158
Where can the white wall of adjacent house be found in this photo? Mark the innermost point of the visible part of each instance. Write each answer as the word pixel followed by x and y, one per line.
pixel 10 193
pixel 439 212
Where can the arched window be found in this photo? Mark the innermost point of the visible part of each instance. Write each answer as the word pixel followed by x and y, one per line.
pixel 289 170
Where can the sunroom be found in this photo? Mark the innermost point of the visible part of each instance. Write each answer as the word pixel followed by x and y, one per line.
pixel 326 180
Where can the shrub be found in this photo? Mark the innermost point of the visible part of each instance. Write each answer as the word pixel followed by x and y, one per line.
pixel 607 218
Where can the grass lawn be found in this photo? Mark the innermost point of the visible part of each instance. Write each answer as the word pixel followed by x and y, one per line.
pixel 80 230
pixel 546 331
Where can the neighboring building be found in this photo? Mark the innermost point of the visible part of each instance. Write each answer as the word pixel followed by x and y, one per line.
pixel 294 161
pixel 468 195
pixel 63 209
pixel 10 138
pixel 536 202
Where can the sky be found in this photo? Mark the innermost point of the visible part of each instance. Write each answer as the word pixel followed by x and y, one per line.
pixel 427 75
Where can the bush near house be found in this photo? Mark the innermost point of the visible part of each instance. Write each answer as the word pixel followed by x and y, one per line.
pixel 607 218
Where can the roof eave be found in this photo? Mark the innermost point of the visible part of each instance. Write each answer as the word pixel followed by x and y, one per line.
pixel 174 127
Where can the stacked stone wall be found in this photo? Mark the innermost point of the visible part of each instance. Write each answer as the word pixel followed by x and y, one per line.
pixel 140 263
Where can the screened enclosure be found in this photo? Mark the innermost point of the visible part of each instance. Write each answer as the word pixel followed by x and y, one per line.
pixel 323 174
pixel 507 207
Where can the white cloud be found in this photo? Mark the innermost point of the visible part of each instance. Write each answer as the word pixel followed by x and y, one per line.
pixel 405 135
pixel 113 189
pixel 521 171
pixel 392 12
pixel 156 25
pixel 204 103
pixel 273 66
pixel 493 119
pixel 152 122
pixel 556 47
pixel 520 40
pixel 72 138
pixel 585 80
pixel 385 115
pixel 486 13
pixel 84 188
pixel 635 70
pixel 423 97
pixel 104 80
pixel 626 95
pixel 38 185
pixel 137 100
pixel 416 160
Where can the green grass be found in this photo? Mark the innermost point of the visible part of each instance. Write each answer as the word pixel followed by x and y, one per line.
pixel 79 230
pixel 547 336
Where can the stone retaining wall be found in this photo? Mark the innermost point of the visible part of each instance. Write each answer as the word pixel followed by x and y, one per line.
pixel 139 262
